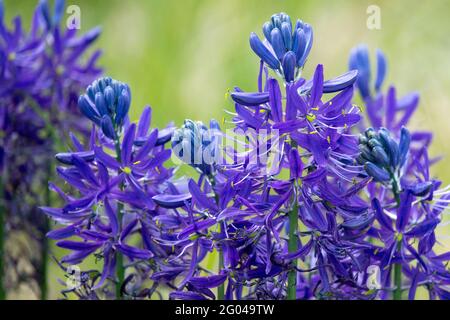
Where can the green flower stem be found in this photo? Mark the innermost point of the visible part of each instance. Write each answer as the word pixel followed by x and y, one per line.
pixel 120 269
pixel 293 247
pixel 397 294
pixel 293 241
pixel 221 288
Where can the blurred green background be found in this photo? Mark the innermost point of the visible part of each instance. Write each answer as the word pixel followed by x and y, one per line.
pixel 182 56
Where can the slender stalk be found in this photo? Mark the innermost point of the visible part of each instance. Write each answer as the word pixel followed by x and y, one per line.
pixel 293 247
pixel 293 241
pixel 43 269
pixel 120 269
pixel 2 241
pixel 221 288
pixel 397 294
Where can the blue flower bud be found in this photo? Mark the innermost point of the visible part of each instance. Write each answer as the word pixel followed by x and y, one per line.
pixel 214 125
pixel 172 201
pixel 267 28
pixel 379 174
pixel 381 69
pixel 67 157
pixel 276 20
pixel 384 153
pixel 106 97
pixel 58 12
pixel 286 32
pixel 405 139
pixel 110 98
pixel 45 12
pixel 123 105
pixel 87 110
pixel 90 92
pixel 108 127
pixel 340 83
pixel 390 146
pixel 289 66
pixel 261 51
pixel 197 146
pixel 366 153
pixel 250 98
pixel 372 143
pixel 359 59
pixel 380 155
pixel 299 45
pixel 421 189
pixel 100 104
pixel 360 222
pixel 281 39
pixel 307 29
pixel 276 40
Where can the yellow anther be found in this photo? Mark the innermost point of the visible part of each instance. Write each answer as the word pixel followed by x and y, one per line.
pixel 310 117
pixel 329 139
pixel 12 56
pixel 137 162
pixel 60 70
pixel 126 170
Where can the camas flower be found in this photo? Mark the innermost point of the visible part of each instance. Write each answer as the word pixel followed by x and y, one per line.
pixel 286 47
pixel 383 157
pixel 115 201
pixel 309 225
pixel 197 145
pixel 383 109
pixel 106 103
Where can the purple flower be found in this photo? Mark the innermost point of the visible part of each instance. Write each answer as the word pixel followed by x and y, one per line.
pixel 115 202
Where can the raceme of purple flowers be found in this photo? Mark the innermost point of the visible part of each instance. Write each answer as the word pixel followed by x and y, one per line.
pixel 42 71
pixel 348 211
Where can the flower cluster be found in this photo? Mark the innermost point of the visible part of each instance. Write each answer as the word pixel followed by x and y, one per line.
pixel 41 73
pixel 285 50
pixel 115 178
pixel 298 206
